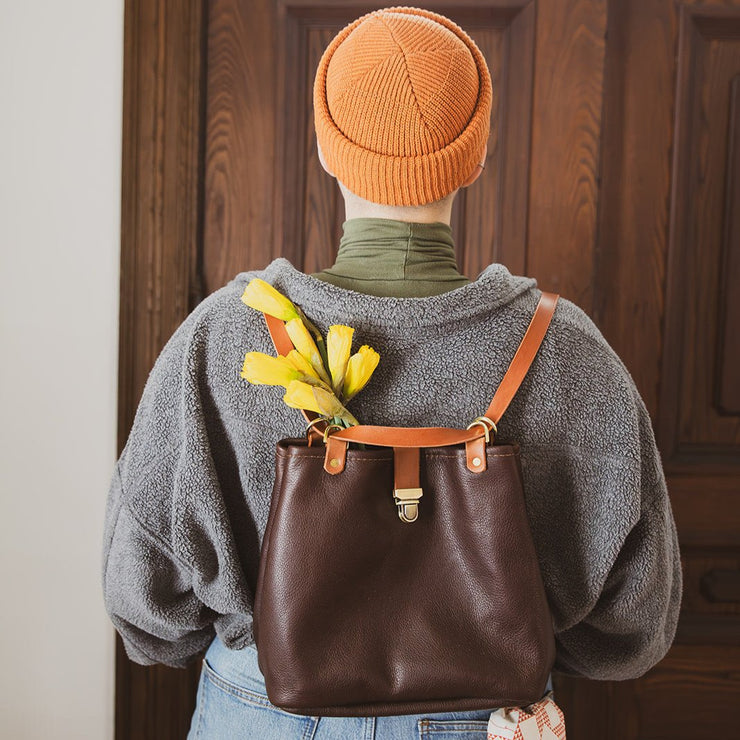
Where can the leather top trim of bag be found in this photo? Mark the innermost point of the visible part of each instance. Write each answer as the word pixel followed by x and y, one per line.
pixel 443 610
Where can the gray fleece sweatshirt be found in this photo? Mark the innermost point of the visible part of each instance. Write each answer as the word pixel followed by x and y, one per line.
pixel 190 494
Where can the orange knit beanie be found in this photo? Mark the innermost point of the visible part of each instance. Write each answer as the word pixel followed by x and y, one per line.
pixel 402 105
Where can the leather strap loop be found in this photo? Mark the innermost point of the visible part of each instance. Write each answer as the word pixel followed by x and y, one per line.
pixel 335 457
pixel 406 467
pixel 475 455
pixel 407 436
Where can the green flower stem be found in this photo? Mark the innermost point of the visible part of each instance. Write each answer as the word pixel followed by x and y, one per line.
pixel 318 338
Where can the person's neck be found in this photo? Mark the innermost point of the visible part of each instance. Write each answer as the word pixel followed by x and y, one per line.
pixel 437 212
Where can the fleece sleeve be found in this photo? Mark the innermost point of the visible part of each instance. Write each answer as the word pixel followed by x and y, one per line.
pixel 628 620
pixel 147 586
pixel 148 590
pixel 170 565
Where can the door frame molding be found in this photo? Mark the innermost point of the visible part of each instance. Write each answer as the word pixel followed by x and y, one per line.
pixel 163 145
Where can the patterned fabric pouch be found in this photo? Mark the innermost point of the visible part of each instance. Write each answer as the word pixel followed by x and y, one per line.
pixel 542 720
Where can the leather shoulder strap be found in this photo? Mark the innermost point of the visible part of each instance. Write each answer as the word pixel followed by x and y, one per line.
pixel 278 334
pixel 283 345
pixel 524 356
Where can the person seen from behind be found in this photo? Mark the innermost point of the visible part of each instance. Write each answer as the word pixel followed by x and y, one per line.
pixel 402 104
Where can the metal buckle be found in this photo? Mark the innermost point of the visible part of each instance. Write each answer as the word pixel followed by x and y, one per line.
pixel 326 431
pixel 485 421
pixel 310 425
pixel 407 500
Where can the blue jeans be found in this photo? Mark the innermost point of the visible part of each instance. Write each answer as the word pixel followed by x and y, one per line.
pixel 232 704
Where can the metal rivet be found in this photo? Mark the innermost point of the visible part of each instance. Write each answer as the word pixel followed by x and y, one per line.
pixel 476 461
pixel 334 462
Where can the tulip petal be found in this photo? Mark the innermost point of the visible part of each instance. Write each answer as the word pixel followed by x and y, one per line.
pixel 338 349
pixel 359 369
pixel 301 395
pixel 304 343
pixel 262 296
pixel 308 374
pixel 262 369
pixel 299 362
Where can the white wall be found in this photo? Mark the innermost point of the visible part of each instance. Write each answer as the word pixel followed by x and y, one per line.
pixel 60 171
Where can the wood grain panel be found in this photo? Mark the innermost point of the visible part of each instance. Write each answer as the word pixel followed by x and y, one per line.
pixel 491 216
pixel 322 203
pixel 706 509
pixel 727 387
pixel 587 706
pixel 663 86
pixel 697 435
pixel 240 139
pixel 629 269
pixel 712 582
pixel 691 694
pixel 569 61
pixel 160 278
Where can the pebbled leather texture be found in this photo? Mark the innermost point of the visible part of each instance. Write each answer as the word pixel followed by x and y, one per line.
pixel 358 613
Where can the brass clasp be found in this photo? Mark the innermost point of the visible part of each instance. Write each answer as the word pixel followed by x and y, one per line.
pixel 407 500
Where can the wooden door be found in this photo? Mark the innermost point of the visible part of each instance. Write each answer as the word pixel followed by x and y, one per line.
pixel 613 177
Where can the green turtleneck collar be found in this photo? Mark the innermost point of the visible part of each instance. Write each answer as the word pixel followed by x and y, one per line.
pixel 385 257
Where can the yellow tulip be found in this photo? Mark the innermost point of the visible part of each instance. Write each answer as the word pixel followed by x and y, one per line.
pixel 338 350
pixel 359 369
pixel 262 369
pixel 263 297
pixel 304 343
pixel 300 363
pixel 301 395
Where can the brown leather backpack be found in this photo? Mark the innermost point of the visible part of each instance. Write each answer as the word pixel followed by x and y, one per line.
pixel 402 578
